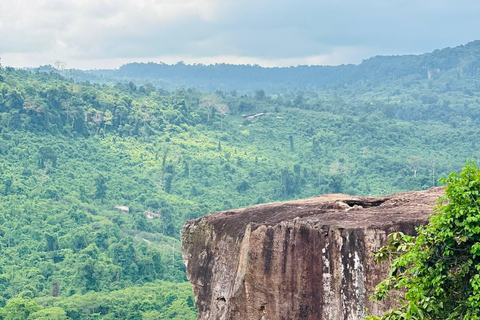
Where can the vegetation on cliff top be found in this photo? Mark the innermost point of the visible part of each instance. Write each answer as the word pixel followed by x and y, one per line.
pixel 438 270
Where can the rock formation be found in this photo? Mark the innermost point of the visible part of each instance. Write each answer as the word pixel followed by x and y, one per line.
pixel 304 259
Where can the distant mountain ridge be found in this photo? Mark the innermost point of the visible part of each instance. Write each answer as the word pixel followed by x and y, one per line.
pixel 464 58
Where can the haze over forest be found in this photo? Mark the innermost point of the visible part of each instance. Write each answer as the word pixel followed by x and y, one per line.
pixel 108 143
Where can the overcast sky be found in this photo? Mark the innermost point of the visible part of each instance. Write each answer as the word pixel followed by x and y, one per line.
pixel 108 33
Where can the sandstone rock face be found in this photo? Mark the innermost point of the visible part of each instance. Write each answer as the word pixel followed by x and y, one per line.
pixel 304 259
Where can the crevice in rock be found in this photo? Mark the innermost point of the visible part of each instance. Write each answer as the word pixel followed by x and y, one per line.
pixel 364 203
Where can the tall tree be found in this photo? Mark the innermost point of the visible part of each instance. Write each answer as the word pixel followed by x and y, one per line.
pixel 100 187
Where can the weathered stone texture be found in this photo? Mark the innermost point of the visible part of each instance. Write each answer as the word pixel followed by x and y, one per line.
pixel 305 259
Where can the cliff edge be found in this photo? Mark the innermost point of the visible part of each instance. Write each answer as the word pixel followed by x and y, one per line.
pixel 303 259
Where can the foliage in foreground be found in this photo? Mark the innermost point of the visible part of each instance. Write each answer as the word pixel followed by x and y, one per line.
pixel 439 269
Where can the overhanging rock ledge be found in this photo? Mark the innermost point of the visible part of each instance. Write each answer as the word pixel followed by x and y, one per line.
pixel 303 259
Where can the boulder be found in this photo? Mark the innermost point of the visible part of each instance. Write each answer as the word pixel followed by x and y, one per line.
pixel 303 259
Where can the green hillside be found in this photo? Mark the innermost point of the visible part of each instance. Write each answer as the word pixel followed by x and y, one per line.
pixel 462 61
pixel 74 156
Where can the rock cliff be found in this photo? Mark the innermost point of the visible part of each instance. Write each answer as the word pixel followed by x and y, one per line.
pixel 304 259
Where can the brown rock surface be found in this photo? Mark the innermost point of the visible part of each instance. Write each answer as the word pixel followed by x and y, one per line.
pixel 304 259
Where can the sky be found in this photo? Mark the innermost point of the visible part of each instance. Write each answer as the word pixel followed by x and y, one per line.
pixel 95 34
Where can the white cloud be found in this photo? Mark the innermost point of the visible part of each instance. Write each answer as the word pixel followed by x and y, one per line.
pixel 91 28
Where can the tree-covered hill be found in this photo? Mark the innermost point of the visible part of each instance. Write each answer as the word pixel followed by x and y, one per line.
pixel 96 180
pixel 463 61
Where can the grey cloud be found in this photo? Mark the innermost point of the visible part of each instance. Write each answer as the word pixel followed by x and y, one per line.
pixel 394 25
pixel 262 29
